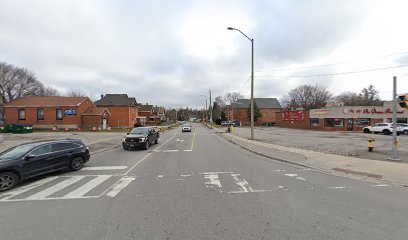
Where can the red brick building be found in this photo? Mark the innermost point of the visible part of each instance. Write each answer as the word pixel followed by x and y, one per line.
pixel 61 112
pixel 268 107
pixel 123 109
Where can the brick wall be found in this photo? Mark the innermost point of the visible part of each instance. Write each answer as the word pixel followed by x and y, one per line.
pixel 122 116
pixel 301 124
pixel 91 121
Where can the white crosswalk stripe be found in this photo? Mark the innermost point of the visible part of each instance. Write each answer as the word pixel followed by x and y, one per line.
pixel 84 184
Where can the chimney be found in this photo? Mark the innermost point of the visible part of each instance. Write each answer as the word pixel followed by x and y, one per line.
pixel 102 96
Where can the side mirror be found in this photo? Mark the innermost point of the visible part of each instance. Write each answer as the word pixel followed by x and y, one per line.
pixel 29 156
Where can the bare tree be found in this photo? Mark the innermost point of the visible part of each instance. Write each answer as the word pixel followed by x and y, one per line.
pixel 348 98
pixel 75 93
pixel 233 97
pixel 308 97
pixel 50 92
pixel 220 101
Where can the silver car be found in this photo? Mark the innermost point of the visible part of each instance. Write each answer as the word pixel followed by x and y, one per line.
pixel 186 127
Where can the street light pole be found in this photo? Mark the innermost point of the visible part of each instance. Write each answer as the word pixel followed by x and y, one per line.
pixel 252 79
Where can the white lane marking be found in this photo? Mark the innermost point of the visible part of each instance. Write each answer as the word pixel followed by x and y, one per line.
pixel 170 150
pixel 380 185
pixel 180 179
pixel 103 168
pixel 192 142
pixel 213 181
pixel 159 176
pixel 300 178
pixel 48 198
pixel 119 186
pixel 280 170
pixel 340 187
pixel 55 188
pixel 253 191
pixel 79 192
pixel 185 175
pixel 283 187
pixel 26 188
pixel 208 173
pixel 242 183
pixel 141 160
pixel 189 150
pixel 291 174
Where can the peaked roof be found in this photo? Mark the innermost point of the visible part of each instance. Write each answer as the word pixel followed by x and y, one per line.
pixel 96 111
pixel 46 102
pixel 116 100
pixel 145 108
pixel 260 102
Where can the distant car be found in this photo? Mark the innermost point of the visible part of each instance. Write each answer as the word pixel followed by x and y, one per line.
pixel 225 123
pixel 140 137
pixel 186 127
pixel 34 159
pixel 404 128
pixel 385 128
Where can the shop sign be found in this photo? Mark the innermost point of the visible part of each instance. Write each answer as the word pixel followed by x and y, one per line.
pixel 320 111
pixel 69 112
pixel 293 115
pixel 369 111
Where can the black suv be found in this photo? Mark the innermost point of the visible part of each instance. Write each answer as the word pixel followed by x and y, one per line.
pixel 140 137
pixel 33 159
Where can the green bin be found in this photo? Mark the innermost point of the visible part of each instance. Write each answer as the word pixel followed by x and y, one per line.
pixel 22 128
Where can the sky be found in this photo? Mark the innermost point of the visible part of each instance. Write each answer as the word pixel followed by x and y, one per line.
pixel 169 53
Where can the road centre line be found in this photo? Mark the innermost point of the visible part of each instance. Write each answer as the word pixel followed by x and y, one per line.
pixel 175 150
pixel 141 160
pixel 192 143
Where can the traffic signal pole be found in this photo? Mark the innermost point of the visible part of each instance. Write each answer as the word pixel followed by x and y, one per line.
pixel 395 155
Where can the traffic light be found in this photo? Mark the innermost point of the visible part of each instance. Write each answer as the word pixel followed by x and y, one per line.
pixel 403 100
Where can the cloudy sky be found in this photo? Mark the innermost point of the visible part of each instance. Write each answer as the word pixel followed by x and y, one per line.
pixel 171 52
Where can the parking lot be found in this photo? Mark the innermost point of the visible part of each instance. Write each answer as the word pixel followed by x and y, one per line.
pixel 352 144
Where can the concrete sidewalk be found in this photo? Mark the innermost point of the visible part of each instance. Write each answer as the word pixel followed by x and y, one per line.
pixel 394 172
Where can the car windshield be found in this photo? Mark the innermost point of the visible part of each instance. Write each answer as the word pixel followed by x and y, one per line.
pixel 16 151
pixel 140 131
pixel 186 125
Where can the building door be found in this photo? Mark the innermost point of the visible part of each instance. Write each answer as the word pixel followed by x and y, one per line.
pixel 104 123
pixel 350 124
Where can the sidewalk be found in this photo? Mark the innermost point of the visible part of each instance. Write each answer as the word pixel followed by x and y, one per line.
pixel 356 167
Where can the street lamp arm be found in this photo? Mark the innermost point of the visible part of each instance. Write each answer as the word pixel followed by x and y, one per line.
pixel 231 28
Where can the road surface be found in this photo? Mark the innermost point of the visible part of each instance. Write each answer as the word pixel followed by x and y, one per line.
pixel 199 186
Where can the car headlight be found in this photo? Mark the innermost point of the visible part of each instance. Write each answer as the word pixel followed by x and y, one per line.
pixel 124 139
pixel 142 139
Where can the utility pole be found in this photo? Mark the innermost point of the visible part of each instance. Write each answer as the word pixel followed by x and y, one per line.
pixel 211 118
pixel 395 155
pixel 252 92
pixel 206 111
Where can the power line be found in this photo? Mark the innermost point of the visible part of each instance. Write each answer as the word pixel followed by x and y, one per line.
pixel 339 73
pixel 329 64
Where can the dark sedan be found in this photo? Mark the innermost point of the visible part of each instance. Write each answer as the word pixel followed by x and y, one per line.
pixel 34 159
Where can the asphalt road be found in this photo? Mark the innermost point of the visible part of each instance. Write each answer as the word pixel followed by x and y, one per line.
pixel 199 186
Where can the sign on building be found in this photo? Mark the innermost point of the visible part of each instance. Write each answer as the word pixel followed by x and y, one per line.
pixel 293 115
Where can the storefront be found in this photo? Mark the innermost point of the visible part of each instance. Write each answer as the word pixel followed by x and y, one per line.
pixel 353 118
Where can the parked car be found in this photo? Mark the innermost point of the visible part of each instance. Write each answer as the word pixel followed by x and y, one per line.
pixel 404 128
pixel 385 128
pixel 140 137
pixel 34 159
pixel 225 123
pixel 186 127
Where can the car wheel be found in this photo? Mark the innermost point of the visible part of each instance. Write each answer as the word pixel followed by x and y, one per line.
pixel 405 132
pixel 386 132
pixel 147 145
pixel 366 130
pixel 125 148
pixel 8 180
pixel 77 163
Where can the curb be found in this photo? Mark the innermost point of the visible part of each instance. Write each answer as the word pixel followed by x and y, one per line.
pixel 270 157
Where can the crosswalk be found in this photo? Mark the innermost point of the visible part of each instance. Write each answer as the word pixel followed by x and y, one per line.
pixel 69 187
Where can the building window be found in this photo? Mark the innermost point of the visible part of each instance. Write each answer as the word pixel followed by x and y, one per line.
pixel 339 122
pixel 59 114
pixel 329 122
pixel 40 114
pixel 21 114
pixel 314 122
pixel 362 122
pixel 152 119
